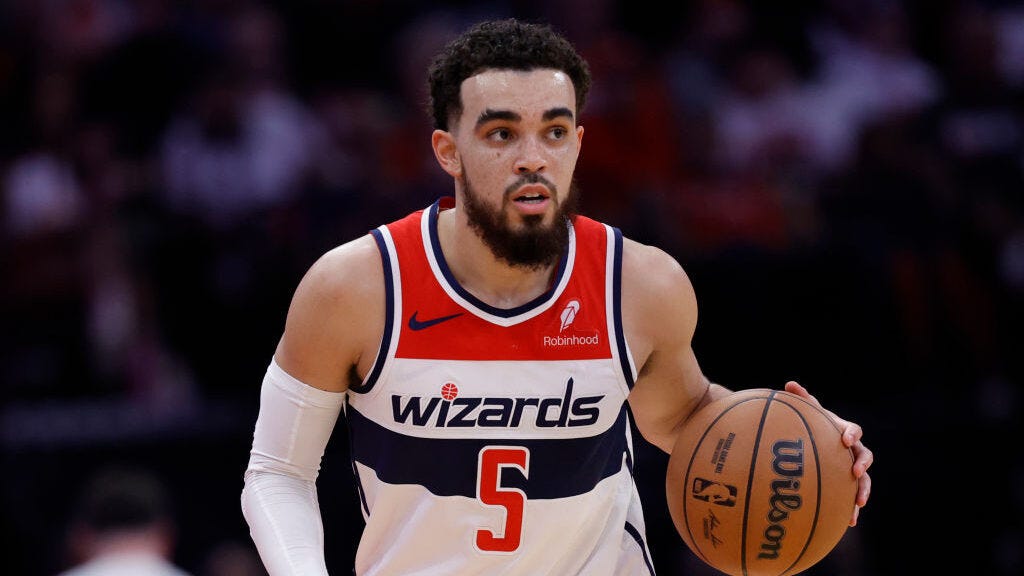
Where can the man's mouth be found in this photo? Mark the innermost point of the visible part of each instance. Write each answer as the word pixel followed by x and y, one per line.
pixel 531 198
pixel 531 194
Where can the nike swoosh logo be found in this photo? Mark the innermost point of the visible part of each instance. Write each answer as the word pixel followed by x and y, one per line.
pixel 416 324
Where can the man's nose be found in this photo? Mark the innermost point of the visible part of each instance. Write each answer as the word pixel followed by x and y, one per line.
pixel 531 157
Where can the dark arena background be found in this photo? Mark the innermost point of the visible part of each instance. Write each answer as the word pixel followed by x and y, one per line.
pixel 842 181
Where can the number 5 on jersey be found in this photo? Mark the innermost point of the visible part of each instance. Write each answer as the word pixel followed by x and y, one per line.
pixel 492 461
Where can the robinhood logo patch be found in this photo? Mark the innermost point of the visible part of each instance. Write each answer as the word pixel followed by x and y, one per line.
pixel 571 337
pixel 569 314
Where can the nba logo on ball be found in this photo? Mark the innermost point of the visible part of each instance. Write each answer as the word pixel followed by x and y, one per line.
pixel 708 491
pixel 759 483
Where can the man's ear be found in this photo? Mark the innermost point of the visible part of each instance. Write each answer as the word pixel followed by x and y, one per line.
pixel 446 152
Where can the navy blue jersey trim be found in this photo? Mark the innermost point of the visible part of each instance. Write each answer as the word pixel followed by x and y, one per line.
pixel 352 463
pixel 620 336
pixel 643 546
pixel 435 244
pixel 389 316
pixel 559 467
pixel 630 422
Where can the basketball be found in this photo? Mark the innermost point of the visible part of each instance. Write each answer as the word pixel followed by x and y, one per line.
pixel 759 483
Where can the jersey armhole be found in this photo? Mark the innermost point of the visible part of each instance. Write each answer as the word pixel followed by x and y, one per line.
pixel 389 337
pixel 614 292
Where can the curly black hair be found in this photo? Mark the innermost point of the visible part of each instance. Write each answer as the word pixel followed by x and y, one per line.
pixel 500 44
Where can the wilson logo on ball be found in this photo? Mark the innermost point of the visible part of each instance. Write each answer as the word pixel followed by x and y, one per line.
pixel 787 462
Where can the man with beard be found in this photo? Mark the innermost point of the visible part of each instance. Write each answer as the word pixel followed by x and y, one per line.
pixel 484 350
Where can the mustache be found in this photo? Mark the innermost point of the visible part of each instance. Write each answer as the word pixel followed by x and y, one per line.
pixel 531 178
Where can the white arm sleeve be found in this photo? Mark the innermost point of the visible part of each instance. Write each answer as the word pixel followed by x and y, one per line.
pixel 279 500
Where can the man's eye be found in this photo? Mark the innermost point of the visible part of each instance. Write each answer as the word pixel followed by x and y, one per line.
pixel 559 133
pixel 501 134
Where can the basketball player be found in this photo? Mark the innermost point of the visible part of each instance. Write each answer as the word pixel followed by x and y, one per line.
pixel 483 351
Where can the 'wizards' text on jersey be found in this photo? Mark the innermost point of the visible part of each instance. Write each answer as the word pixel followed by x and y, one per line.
pixel 497 441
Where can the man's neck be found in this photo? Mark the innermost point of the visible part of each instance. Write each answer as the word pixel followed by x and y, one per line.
pixel 485 276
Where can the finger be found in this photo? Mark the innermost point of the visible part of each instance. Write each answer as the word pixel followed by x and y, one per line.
pixel 852 434
pixel 864 459
pixel 856 515
pixel 795 388
pixel 863 490
pixel 849 436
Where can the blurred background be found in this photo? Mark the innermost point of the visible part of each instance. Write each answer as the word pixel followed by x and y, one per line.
pixel 842 179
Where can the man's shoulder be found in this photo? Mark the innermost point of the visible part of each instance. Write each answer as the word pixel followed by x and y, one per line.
pixel 648 257
pixel 343 270
pixel 653 275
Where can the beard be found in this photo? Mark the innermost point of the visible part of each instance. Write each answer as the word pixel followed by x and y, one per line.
pixel 534 245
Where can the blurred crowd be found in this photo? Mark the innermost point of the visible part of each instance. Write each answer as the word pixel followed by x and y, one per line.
pixel 843 180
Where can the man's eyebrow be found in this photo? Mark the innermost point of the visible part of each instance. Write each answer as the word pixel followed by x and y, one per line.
pixel 489 114
pixel 508 115
pixel 560 112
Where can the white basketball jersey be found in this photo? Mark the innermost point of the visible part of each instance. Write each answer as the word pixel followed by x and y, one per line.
pixel 496 441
